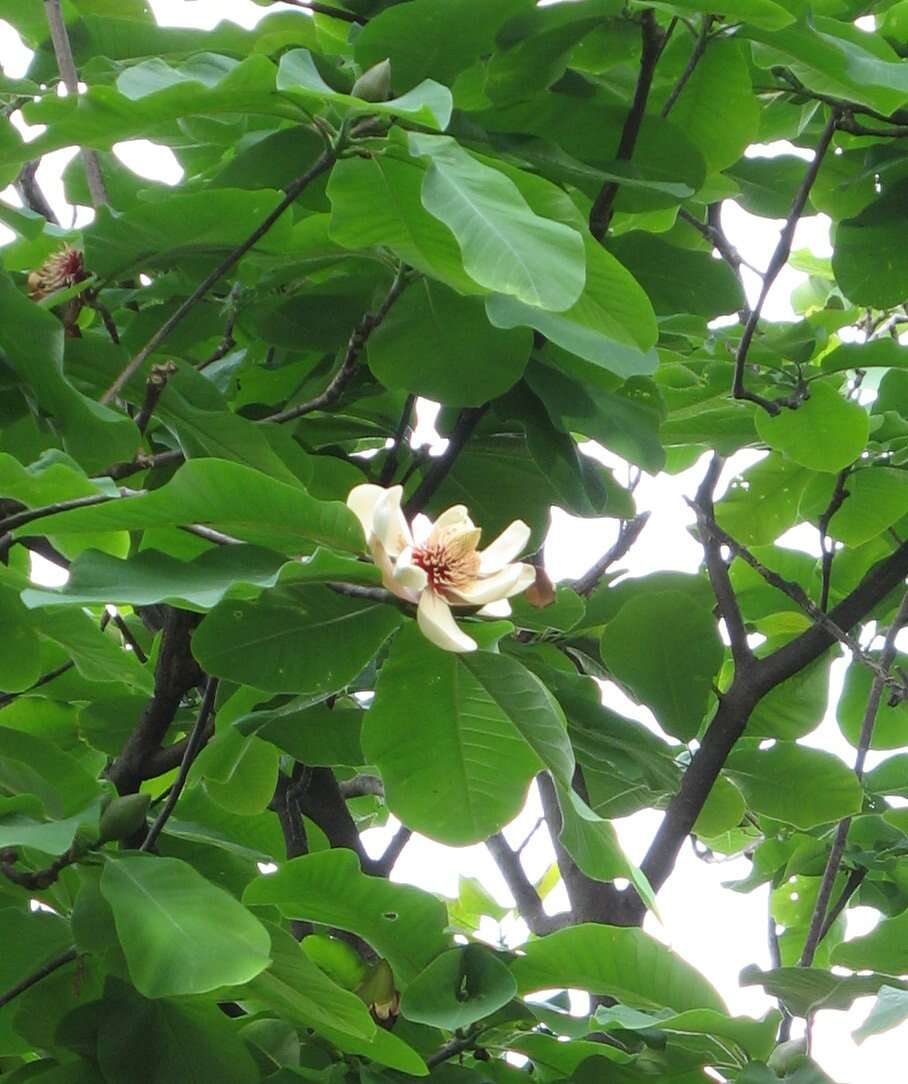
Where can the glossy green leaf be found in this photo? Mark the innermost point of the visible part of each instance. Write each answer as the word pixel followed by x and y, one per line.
pixel 612 323
pixel 259 643
pixel 624 963
pixel 890 724
pixel 152 1042
pixel 204 491
pixel 403 924
pixel 505 246
pixel 825 433
pixel 438 344
pixel 180 934
pixel 889 1010
pixel 668 653
pixel 459 988
pixel 489 721
pixel 866 256
pixel 772 781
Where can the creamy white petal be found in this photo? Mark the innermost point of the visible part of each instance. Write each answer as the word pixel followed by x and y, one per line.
pixel 361 500
pixel 386 566
pixel 509 581
pixel 505 548
pixel 421 528
pixel 435 620
pixel 455 516
pixel 409 575
pixel 389 524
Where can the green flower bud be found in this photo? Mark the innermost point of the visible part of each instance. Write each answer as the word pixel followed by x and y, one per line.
pixel 123 817
pixel 374 85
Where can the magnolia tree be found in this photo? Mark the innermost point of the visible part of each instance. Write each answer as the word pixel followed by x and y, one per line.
pixel 275 631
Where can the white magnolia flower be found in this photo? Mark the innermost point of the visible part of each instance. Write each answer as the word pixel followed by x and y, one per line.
pixel 437 565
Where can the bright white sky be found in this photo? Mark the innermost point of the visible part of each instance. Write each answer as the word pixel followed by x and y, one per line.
pixel 717 930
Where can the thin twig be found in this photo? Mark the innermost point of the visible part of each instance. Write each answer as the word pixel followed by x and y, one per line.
pixel 526 898
pixel 45 679
pixel 827 548
pixel 65 62
pixel 196 740
pixel 652 40
pixel 28 515
pixel 627 535
pixel 36 976
pixel 389 468
pixel 798 595
pixel 358 339
pixel 362 785
pixel 383 865
pixel 694 59
pixel 776 263
pixel 717 568
pixel 154 389
pixel 293 191
pixel 469 418
pixel 31 193
pixel 831 872
pixel 460 1044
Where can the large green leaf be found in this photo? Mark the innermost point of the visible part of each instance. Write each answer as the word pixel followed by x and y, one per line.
pixel 624 963
pixel 717 107
pixel 299 990
pixel 866 259
pixel 890 724
pixel 593 844
pixel 403 924
pixel 826 433
pixel 890 1010
pixel 677 280
pixel 772 781
pixel 31 340
pixel 489 723
pixel 885 948
pixel 506 247
pixel 314 640
pixel 668 653
pixel 432 38
pixel 180 934
pixel 30 764
pixel 153 1042
pixel 441 345
pixel 207 491
pixel 611 324
pixel 459 988
pixel 377 201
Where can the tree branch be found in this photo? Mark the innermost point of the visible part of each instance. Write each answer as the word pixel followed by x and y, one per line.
pixel 382 866
pixel 627 536
pixel 694 59
pixel 176 673
pixel 293 191
pixel 154 389
pixel 31 193
pixel 28 515
pixel 652 39
pixel 355 344
pixel 717 568
pixel 777 262
pixel 469 418
pixel 828 551
pixel 36 976
pixel 389 468
pixel 830 873
pixel 737 703
pixel 64 54
pixel 194 743
pixel 529 905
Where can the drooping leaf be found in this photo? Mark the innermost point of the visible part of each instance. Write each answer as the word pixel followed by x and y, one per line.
pixel 180 933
